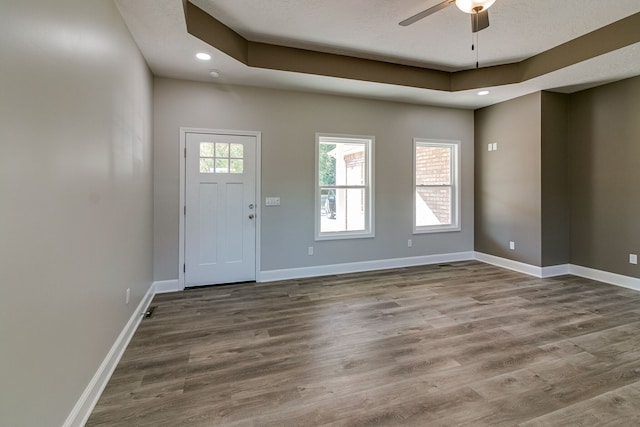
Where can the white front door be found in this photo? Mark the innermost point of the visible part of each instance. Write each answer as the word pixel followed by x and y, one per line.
pixel 220 211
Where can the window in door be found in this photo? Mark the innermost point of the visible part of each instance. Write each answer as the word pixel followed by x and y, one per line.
pixel 221 157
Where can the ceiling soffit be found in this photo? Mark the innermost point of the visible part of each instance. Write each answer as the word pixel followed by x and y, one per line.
pixel 275 57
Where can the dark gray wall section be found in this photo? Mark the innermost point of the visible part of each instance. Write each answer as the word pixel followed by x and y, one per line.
pixel 604 153
pixel 507 181
pixel 555 180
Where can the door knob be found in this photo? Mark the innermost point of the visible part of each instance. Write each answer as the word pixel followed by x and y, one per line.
pixel 251 216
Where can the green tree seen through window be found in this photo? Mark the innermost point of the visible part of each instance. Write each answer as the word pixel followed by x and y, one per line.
pixel 327 165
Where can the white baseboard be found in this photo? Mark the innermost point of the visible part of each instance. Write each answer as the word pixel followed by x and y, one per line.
pixel 559 270
pixel 356 267
pixel 164 286
pixel 521 267
pixel 606 277
pixel 555 270
pixel 509 264
pixel 84 406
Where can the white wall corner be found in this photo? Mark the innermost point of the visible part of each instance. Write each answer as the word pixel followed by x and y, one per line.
pixel 356 267
pixel 165 286
pixel 606 277
pixel 87 401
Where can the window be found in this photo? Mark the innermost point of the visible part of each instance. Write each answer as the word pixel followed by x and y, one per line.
pixel 436 193
pixel 344 196
pixel 221 157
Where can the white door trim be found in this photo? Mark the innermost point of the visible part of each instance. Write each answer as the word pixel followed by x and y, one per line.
pixel 183 179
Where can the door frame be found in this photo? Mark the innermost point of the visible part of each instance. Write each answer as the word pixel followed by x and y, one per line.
pixel 183 182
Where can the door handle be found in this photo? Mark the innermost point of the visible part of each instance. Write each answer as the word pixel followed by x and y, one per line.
pixel 251 216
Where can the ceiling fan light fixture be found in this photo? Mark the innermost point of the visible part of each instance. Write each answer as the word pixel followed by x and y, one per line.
pixel 474 6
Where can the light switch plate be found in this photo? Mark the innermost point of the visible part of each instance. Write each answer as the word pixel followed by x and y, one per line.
pixel 272 201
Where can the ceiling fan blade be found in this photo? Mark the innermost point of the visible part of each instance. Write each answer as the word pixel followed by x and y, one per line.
pixel 479 21
pixel 426 13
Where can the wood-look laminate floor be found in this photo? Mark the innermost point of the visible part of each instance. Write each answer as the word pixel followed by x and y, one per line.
pixel 463 344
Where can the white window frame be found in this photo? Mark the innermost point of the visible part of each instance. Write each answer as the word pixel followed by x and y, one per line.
pixel 369 229
pixel 455 186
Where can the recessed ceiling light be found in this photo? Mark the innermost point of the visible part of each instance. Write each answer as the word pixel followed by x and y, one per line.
pixel 214 74
pixel 203 56
pixel 483 92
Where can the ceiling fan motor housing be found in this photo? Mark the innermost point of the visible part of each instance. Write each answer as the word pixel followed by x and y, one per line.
pixel 474 6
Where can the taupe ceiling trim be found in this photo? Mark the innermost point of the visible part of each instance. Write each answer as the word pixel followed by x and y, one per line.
pixel 211 31
pixel 274 57
pixel 312 62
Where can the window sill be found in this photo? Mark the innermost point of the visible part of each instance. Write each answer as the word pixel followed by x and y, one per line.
pixel 447 229
pixel 343 236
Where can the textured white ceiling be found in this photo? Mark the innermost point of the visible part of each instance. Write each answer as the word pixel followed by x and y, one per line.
pixel 369 29
pixel 519 28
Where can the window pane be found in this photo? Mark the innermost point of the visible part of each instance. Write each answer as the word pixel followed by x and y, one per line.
pixel 328 203
pixel 433 165
pixel 206 149
pixel 327 164
pixel 206 165
pixel 222 149
pixel 344 207
pixel 350 164
pixel 237 151
pixel 222 165
pixel 433 206
pixel 237 165
pixel 342 210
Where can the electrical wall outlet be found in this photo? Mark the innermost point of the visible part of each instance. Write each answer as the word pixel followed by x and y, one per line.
pixel 633 259
pixel 409 243
pixel 512 245
pixel 310 250
pixel 127 296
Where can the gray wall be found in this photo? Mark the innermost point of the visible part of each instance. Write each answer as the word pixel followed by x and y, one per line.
pixel 507 181
pixel 288 122
pixel 604 144
pixel 555 180
pixel 76 195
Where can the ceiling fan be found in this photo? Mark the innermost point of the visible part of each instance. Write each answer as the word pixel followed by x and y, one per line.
pixel 477 8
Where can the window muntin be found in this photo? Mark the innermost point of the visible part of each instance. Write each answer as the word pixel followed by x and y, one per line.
pixel 436 194
pixel 344 197
pixel 221 157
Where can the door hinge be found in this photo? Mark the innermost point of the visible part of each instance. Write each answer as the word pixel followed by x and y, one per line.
pixel 184 268
pixel 185 152
pixel 185 209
